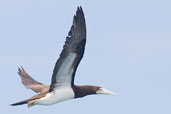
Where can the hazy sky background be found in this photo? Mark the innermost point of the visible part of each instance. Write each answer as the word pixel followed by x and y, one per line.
pixel 128 51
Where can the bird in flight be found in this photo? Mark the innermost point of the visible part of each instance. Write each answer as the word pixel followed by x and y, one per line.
pixel 62 85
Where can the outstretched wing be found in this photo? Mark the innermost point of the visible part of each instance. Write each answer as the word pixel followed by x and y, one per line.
pixel 30 83
pixel 72 53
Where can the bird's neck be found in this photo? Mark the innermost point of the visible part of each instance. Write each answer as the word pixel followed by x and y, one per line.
pixel 81 91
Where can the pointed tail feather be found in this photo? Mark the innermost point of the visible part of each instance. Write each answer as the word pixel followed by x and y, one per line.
pixel 20 103
pixel 30 103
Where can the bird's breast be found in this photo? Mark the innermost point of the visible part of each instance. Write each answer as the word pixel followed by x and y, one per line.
pixel 58 95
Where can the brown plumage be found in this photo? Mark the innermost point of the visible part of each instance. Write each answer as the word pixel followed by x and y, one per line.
pixel 81 91
pixel 30 83
pixel 62 85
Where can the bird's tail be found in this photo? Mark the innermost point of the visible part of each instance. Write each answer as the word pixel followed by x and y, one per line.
pixel 20 103
pixel 30 103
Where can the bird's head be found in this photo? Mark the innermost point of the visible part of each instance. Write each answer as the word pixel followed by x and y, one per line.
pixel 101 90
pixel 81 91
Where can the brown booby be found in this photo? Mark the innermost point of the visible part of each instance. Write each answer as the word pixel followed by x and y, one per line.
pixel 62 83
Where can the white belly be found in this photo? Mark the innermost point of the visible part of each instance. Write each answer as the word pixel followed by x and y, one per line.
pixel 60 94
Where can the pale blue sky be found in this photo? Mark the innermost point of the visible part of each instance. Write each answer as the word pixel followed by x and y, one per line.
pixel 128 51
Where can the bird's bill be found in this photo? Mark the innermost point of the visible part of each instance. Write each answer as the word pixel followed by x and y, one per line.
pixel 104 91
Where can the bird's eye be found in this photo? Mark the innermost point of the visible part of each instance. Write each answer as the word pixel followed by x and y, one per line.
pixel 100 88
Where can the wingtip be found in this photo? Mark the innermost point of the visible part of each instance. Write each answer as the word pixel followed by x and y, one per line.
pixel 79 10
pixel 11 105
pixel 79 24
pixel 79 7
pixel 19 69
pixel 79 14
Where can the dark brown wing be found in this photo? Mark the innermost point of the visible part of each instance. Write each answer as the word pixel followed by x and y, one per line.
pixel 30 83
pixel 72 53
